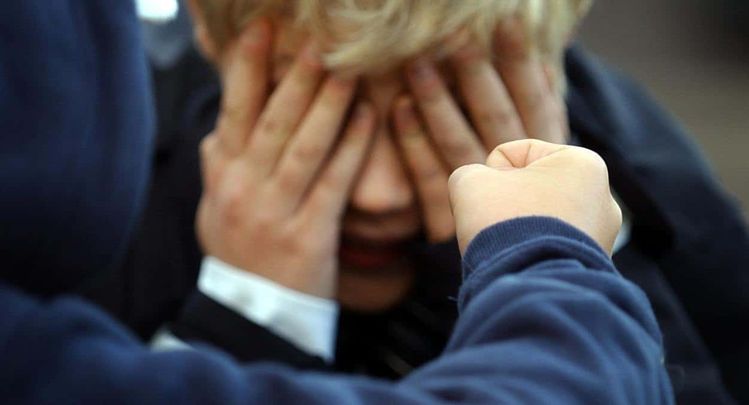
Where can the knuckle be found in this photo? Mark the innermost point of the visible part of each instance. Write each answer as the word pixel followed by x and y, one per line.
pixel 286 182
pixel 209 162
pixel 495 119
pixel 309 152
pixel 535 101
pixel 459 149
pixel 592 166
pixel 300 89
pixel 593 161
pixel 499 149
pixel 270 126
pixel 498 158
pixel 333 182
pixel 265 221
pixel 231 113
pixel 232 205
pixel 208 146
pixel 464 174
pixel 535 143
pixel 302 243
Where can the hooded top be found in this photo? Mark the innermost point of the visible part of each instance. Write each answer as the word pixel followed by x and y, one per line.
pixel 75 134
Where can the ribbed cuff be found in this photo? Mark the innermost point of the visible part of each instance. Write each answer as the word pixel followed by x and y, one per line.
pixel 496 239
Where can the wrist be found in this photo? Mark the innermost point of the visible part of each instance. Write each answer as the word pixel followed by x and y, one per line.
pixel 292 274
pixel 307 321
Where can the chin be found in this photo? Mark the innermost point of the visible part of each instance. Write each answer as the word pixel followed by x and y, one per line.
pixel 374 290
pixel 375 274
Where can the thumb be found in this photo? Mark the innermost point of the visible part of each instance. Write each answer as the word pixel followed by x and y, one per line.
pixel 521 154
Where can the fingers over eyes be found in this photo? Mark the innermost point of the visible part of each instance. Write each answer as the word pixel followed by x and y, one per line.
pixel 523 72
pixel 246 72
pixel 308 150
pixel 426 169
pixel 329 196
pixel 447 126
pixel 488 101
pixel 285 110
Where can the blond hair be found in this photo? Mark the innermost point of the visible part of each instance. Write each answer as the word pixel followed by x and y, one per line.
pixel 375 35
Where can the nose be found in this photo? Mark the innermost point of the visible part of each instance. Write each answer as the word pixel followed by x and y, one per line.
pixel 383 188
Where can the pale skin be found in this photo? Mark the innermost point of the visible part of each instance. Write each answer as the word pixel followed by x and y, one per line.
pixel 287 169
pixel 535 178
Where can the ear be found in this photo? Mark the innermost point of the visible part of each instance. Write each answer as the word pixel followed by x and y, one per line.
pixel 206 45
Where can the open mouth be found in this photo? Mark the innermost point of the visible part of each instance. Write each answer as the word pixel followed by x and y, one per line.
pixel 369 254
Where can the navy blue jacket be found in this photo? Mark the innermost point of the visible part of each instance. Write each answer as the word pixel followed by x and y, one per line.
pixel 545 316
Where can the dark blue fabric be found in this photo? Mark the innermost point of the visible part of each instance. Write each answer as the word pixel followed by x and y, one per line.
pixel 690 241
pixel 75 135
pixel 545 318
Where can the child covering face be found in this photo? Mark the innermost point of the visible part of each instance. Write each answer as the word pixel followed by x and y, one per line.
pixel 677 208
pixel 409 54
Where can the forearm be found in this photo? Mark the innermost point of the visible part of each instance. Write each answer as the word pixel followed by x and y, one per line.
pixel 543 307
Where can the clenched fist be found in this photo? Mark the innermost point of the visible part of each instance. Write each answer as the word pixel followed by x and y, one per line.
pixel 535 178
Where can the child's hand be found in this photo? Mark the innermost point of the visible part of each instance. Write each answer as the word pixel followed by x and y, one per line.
pixel 509 99
pixel 276 182
pixel 535 178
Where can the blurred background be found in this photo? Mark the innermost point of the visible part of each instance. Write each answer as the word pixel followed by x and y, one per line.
pixel 693 56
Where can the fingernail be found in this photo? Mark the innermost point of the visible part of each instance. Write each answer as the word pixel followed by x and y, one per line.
pixel 422 69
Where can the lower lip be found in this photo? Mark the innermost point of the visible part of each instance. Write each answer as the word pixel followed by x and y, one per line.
pixel 370 258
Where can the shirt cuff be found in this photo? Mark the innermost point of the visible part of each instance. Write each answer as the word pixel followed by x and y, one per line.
pixel 165 341
pixel 306 321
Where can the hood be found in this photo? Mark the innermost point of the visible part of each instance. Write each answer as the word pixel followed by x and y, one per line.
pixel 75 136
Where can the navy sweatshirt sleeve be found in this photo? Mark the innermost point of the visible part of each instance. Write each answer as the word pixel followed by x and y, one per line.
pixel 545 318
